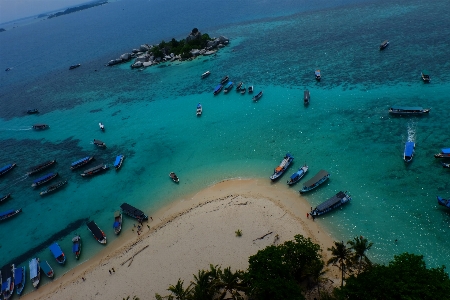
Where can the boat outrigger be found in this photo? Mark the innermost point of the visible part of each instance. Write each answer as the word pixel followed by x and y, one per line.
pixel 53 188
pixel 317 75
pixel 118 162
pixel 314 182
pixel 199 109
pixel 332 203
pixel 19 279
pixel 117 225
pixel 99 143
pixel 408 110
pixel 206 74
pixel 81 162
pixel 384 44
pixel 99 235
pixel 57 253
pixel 445 153
pixel 228 87
pixel 41 167
pixel 6 169
pixel 306 97
pixel 217 89
pixel 44 179
pixel 257 96
pixel 409 151
pixel 287 160
pixel 3 198
pixel 174 177
pixel 224 80
pixel 76 246
pixel 40 126
pixel 7 281
pixel 95 170
pixel 298 175
pixel 443 202
pixel 133 212
pixel 47 269
pixel 9 214
pixel 425 76
pixel 35 272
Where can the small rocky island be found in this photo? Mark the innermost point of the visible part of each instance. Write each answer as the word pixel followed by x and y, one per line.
pixel 76 8
pixel 194 45
pixel 2 29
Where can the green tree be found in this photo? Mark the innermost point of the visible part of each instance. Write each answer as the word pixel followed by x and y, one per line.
pixel 178 290
pixel 300 253
pixel 360 245
pixel 202 286
pixel 231 283
pixel 341 257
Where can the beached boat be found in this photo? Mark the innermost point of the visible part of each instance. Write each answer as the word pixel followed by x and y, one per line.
pixel 32 111
pixel 298 175
pixel 257 96
pixel 44 179
pixel 95 170
pixel 409 151
pixel 174 177
pixel 53 188
pixel 443 202
pixel 384 44
pixel 40 126
pixel 317 75
pixel 306 97
pixel 224 80
pixel 81 162
pixel 445 153
pixel 47 269
pixel 35 272
pixel 408 110
pixel 19 279
pixel 239 86
pixel 206 74
pixel 314 182
pixel 287 160
pixel 133 212
pixel 217 89
pixel 99 143
pixel 118 162
pixel 9 213
pixel 228 87
pixel 4 198
pixel 117 225
pixel 7 281
pixel 250 89
pixel 102 127
pixel 332 203
pixel 6 169
pixel 243 90
pixel 99 235
pixel 76 246
pixel 57 253
pixel 425 76
pixel 74 66
pixel 41 167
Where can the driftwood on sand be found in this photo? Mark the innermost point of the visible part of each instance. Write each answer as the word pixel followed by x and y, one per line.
pixel 132 257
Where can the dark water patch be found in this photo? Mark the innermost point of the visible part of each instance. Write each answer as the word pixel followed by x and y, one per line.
pixel 96 110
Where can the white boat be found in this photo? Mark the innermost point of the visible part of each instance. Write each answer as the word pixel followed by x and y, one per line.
pixel 206 74
pixel 35 272
pixel 102 127
pixel 199 109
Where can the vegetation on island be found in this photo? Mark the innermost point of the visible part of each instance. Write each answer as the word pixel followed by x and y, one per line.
pixel 76 8
pixel 296 269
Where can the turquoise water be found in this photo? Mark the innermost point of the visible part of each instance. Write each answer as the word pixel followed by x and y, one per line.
pixel 149 117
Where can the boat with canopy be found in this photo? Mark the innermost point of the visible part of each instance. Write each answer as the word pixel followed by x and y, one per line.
pixel 314 182
pixel 35 272
pixel 332 203
pixel 409 151
pixel 81 162
pixel 41 167
pixel 117 225
pixel 298 175
pixel 95 170
pixel 99 235
pixel 53 188
pixel 7 281
pixel 9 213
pixel 443 202
pixel 76 246
pixel 445 153
pixel 19 279
pixel 282 167
pixel 118 162
pixel 6 169
pixel 57 253
pixel 44 179
pixel 408 110
pixel 47 269
pixel 133 212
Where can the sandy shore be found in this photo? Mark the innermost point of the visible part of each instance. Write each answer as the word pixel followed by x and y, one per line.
pixel 188 235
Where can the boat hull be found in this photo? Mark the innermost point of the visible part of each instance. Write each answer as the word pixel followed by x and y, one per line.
pixel 308 188
pixel 300 174
pixel 6 169
pixel 334 202
pixel 44 180
pixel 279 171
pixel 21 284
pixel 81 163
pixel 41 167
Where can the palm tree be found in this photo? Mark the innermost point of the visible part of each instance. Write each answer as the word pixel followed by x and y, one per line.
pixel 202 287
pixel 341 255
pixel 178 291
pixel 231 283
pixel 360 245
pixel 317 272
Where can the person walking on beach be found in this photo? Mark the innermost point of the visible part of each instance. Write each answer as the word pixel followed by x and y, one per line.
pixel 113 270
pixel 109 272
pixel 307 215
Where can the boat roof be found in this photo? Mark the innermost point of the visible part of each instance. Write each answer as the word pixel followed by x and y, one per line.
pixel 445 150
pixel 118 158
pixel 5 168
pixel 317 177
pixel 5 286
pixel 46 267
pixel 34 267
pixel 95 230
pixel 6 271
pixel 409 148
pixel 295 175
pixel 56 250
pixel 116 225
pixel 133 210
pixel 75 247
pixel 317 72
pixel 80 160
pixel 43 177
pixel 228 84
pixel 199 105
pixel 94 168
pixel 18 274
pixel 407 107
pixel 5 213
pixel 332 201
pixel 218 87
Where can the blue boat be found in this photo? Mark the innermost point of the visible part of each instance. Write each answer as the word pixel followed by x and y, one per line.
pixel 297 175
pixel 44 179
pixel 57 253
pixel 7 280
pixel 81 162
pixel 199 109
pixel 443 202
pixel 314 182
pixel 409 151
pixel 317 74
pixel 76 246
pixel 4 198
pixel 117 225
pixel 218 89
pixel 35 272
pixel 45 266
pixel 287 160
pixel 6 169
pixel 19 279
pixel 9 213
pixel 119 161
pixel 332 203
pixel 445 153
pixel 228 87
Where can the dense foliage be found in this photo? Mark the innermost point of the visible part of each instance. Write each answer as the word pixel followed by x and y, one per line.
pixel 181 47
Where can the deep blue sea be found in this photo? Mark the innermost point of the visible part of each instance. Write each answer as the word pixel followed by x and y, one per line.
pixel 149 115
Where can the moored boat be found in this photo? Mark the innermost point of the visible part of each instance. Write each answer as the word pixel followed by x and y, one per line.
pixel 332 203
pixel 298 175
pixel 35 272
pixel 306 97
pixel 41 167
pixel 384 44
pixel 257 96
pixel 102 127
pixel 81 162
pixel 32 111
pixel 228 87
pixel 314 182
pixel 9 214
pixel 250 89
pixel 206 74
pixel 243 90
pixel 76 246
pixel 409 151
pixel 224 80
pixel 47 269
pixel 3 198
pixel 44 179
pixel 217 89
pixel 317 75
pixel 7 281
pixel 6 169
pixel 74 66
pixel 118 162
pixel 133 212
pixel 174 177
pixel 425 76
pixel 445 165
pixel 443 202
pixel 19 279
pixel 445 153
pixel 95 170
pixel 40 126
pixel 199 109
pixel 282 167
pixel 99 143
pixel 99 235
pixel 53 188
pixel 117 225
pixel 57 253
pixel 408 110
pixel 239 86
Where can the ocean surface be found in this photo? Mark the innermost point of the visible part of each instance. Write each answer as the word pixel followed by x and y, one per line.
pixel 150 118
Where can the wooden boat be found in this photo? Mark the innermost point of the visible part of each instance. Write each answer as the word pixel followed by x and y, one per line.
pixel 99 235
pixel 40 126
pixel 443 202
pixel 117 225
pixel 9 214
pixel 74 66
pixel 408 110
pixel 35 272
pixel 102 127
pixel 298 175
pixel 217 89
pixel 199 109
pixel 174 177
pixel 287 160
pixel 409 151
pixel 257 96
pixel 445 153
pixel 32 111
pixel 118 162
pixel 53 188
pixel 224 80
pixel 445 165
pixel 133 212
pixel 228 87
pixel 6 169
pixel 317 75
pixel 57 253
pixel 47 269
pixel 76 246
pixel 306 97
pixel 384 44
pixel 314 182
pixel 95 170
pixel 243 90
pixel 81 162
pixel 250 89
pixel 206 74
pixel 239 85
pixel 99 143
pixel 19 279
pixel 425 76
pixel 7 281
pixel 4 198
pixel 41 167
pixel 332 203
pixel 44 179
